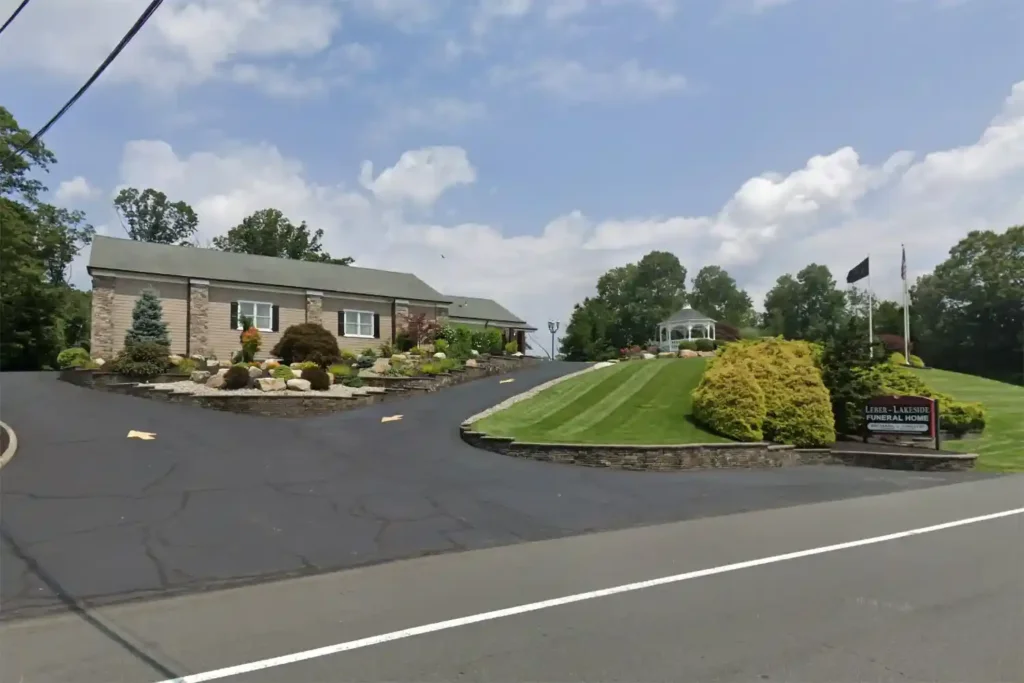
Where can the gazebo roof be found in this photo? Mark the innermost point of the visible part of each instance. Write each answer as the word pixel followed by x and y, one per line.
pixel 688 315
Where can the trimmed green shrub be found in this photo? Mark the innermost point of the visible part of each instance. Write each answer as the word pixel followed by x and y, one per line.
pixel 282 372
pixel 366 361
pixel 142 360
pixel 440 345
pixel 368 352
pixel 307 342
pixel 729 401
pixel 961 417
pixel 75 357
pixel 318 379
pixel 798 406
pixel 897 358
pixel 385 350
pixel 237 377
pixel 403 342
pixel 487 340
pixel 347 356
pixel 704 345
pixel 958 417
pixel 448 364
pixel 340 370
pixel 430 369
pixel 416 351
pixel 307 365
pixel 355 381
pixel 148 321
pixel 687 345
pixel 512 347
pixel 915 361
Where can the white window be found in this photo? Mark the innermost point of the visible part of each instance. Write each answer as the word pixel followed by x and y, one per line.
pixel 260 312
pixel 359 324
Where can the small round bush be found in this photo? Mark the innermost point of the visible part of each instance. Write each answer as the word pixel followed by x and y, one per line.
pixel 186 366
pixel 74 357
pixel 915 361
pixel 318 379
pixel 142 359
pixel 440 345
pixel 340 370
pixel 897 359
pixel 355 381
pixel 307 342
pixel 237 377
pixel 282 372
pixel 704 345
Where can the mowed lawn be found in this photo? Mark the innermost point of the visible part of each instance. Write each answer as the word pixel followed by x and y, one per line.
pixel 637 402
pixel 1001 446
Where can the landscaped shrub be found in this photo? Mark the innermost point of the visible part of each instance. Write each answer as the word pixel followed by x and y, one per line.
pixel 448 364
pixel 355 381
pixel 318 379
pixel 897 358
pixel 961 417
pixel 348 356
pixel 366 361
pixel 75 357
pixel 421 329
pixel 340 370
pixel 251 343
pixel 142 360
pixel 430 369
pixel 282 372
pixel 385 350
pixel 726 332
pixel 370 353
pixel 729 401
pixel 915 361
pixel 488 340
pixel 798 406
pixel 403 342
pixel 687 345
pixel 416 351
pixel 957 417
pixel 440 345
pixel 512 347
pixel 237 377
pixel 307 342
pixel 186 366
pixel 704 345
pixel 147 321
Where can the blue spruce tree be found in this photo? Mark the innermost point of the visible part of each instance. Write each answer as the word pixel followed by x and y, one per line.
pixel 148 321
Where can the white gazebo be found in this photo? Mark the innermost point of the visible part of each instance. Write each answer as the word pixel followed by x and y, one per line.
pixel 686 325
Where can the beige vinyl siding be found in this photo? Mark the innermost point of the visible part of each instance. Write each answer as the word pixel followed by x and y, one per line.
pixel 429 310
pixel 173 298
pixel 333 307
pixel 223 340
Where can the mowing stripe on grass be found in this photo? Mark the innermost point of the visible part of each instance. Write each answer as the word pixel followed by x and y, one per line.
pixel 612 401
pixel 668 391
pixel 589 398
pixel 526 413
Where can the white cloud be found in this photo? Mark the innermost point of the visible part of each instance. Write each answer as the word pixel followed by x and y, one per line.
pixel 833 210
pixel 575 82
pixel 185 43
pixel 74 190
pixel 421 176
pixel 440 113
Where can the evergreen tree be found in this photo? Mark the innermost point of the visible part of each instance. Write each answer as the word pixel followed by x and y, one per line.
pixel 148 321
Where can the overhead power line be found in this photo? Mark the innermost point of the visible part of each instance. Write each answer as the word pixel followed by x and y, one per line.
pixel 13 16
pixel 136 27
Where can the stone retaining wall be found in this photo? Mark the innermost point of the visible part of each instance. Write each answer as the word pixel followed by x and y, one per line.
pixel 670 458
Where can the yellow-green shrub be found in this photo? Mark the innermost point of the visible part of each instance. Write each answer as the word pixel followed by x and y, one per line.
pixel 897 358
pixel 916 361
pixel 958 417
pixel 798 406
pixel 729 401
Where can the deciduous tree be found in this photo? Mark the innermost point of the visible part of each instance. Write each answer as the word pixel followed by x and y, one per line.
pixel 714 292
pixel 269 233
pixel 149 216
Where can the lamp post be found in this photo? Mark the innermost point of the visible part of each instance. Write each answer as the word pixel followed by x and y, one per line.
pixel 553 328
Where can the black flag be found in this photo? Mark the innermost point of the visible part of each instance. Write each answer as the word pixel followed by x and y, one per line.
pixel 858 272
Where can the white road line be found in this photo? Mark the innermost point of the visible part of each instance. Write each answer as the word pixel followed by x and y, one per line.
pixel 568 600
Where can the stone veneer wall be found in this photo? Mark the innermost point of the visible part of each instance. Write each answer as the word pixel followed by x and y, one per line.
pixel 198 317
pixel 102 335
pixel 314 308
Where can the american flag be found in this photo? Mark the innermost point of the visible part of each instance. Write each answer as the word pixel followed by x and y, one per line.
pixel 903 265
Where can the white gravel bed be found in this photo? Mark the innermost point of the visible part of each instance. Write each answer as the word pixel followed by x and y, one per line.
pixel 531 393
pixel 190 387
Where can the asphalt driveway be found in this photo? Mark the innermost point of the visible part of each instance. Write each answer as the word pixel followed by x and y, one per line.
pixel 90 517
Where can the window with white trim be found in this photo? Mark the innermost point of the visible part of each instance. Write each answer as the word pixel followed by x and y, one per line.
pixel 260 312
pixel 359 324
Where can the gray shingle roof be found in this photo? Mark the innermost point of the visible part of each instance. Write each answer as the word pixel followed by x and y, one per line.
pixel 110 253
pixel 687 315
pixel 476 308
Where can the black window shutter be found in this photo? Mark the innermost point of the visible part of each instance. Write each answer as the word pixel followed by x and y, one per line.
pixel 376 325
pixel 275 321
pixel 341 323
pixel 234 315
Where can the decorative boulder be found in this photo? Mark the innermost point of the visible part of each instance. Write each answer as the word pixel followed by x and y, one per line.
pixel 687 353
pixel 99 362
pixel 271 384
pixel 224 363
pixel 400 357
pixel 471 363
pixel 200 376
pixel 298 384
pixel 198 358
pixel 440 355
pixel 474 352
pixel 174 359
pixel 519 354
pixel 255 372
pixel 221 372
pixel 216 382
pixel 649 356
pixel 667 354
pixel 381 366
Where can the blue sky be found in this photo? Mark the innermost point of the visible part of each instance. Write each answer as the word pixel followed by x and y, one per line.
pixel 565 136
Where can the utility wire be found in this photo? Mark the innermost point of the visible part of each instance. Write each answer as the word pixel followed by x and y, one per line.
pixel 13 16
pixel 136 27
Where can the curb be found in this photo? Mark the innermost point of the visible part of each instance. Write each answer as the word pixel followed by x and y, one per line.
pixel 12 447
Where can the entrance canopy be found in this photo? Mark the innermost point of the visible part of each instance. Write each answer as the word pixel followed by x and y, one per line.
pixel 685 325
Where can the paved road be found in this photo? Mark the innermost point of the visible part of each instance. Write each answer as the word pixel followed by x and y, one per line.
pixel 943 606
pixel 91 517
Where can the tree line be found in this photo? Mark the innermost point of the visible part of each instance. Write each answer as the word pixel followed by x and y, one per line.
pixel 967 315
pixel 41 313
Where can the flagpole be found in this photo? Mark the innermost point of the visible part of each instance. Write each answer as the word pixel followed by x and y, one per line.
pixel 871 305
pixel 906 307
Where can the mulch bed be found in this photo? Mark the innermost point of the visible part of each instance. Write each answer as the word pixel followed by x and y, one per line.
pixel 855 446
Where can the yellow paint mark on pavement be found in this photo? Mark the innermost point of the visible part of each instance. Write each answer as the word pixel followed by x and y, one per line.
pixel 393 418
pixel 145 436
pixel 506 381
